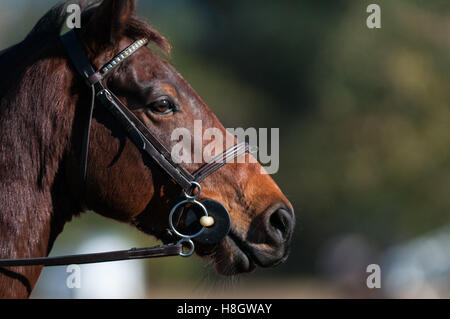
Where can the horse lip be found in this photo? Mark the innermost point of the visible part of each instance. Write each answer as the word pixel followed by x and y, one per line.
pixel 241 245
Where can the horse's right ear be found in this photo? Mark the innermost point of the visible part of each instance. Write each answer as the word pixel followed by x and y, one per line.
pixel 108 20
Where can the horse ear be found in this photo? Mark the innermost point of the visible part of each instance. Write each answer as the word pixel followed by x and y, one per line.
pixel 109 20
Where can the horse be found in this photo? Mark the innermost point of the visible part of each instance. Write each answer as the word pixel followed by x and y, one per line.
pixel 43 102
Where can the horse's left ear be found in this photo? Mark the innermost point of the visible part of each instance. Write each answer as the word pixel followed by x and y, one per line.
pixel 109 20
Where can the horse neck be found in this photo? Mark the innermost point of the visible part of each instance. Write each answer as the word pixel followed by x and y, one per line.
pixel 35 129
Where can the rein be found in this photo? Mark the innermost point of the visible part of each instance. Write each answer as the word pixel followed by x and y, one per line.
pixel 133 253
pixel 211 232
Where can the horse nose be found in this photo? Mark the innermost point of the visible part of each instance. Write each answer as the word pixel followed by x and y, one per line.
pixel 271 246
pixel 280 225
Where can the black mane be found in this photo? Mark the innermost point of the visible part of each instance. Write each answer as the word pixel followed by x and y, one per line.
pixel 48 29
pixel 51 24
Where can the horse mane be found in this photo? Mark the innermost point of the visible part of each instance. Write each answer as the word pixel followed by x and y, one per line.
pixel 50 25
pixel 46 29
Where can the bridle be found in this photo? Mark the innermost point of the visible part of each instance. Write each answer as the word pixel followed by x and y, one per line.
pixel 214 227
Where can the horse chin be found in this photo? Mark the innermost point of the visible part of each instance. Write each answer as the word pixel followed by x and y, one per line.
pixel 241 260
pixel 230 258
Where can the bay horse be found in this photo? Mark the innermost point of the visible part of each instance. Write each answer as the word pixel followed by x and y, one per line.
pixel 42 105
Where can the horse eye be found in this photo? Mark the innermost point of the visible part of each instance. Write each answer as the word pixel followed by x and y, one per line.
pixel 163 106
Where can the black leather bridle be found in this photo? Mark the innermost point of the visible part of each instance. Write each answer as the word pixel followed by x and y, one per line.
pixel 149 145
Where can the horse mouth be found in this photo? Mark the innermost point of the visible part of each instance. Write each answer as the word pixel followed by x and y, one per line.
pixel 244 260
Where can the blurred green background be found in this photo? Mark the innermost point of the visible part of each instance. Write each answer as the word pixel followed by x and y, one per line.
pixel 364 135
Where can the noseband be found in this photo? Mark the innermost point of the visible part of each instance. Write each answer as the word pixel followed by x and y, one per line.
pixel 213 218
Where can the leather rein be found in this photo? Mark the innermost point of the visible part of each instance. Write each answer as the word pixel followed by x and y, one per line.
pixel 150 145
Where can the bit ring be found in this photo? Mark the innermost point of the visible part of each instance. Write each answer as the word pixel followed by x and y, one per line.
pixel 191 248
pixel 196 195
pixel 172 227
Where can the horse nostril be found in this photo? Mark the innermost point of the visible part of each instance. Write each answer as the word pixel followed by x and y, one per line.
pixel 282 222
